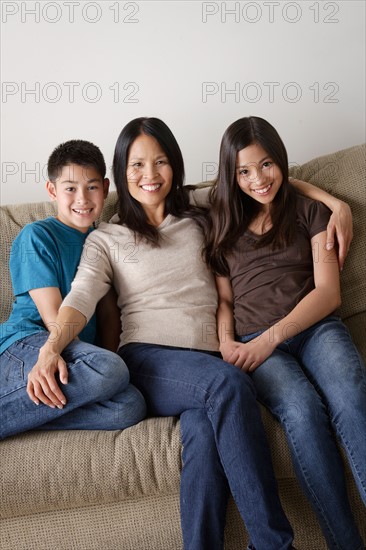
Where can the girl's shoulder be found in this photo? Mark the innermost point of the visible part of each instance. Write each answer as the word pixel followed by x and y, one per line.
pixel 304 205
pixel 311 214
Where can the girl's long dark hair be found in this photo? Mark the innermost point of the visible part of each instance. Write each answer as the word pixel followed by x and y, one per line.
pixel 232 210
pixel 129 209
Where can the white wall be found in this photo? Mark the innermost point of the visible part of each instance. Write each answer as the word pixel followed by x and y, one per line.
pixel 299 64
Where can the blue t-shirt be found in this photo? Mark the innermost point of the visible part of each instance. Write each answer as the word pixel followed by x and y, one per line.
pixel 46 253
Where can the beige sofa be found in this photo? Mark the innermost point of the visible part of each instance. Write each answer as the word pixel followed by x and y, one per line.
pixel 84 490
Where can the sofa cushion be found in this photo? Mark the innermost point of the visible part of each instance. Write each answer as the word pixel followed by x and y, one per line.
pixel 58 470
pixel 12 220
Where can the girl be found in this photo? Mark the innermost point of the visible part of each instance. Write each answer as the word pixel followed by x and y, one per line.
pixel 277 318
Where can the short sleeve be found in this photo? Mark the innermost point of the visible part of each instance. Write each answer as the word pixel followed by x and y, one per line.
pixel 317 217
pixel 33 261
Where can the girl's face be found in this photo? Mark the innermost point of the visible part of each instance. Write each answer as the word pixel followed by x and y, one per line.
pixel 149 174
pixel 257 175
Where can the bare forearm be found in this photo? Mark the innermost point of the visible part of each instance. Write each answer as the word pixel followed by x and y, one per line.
pixel 42 385
pixel 47 301
pixel 313 308
pixel 225 323
pixel 314 192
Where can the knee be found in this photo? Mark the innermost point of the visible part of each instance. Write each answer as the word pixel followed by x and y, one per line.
pixel 108 368
pixel 133 409
pixel 237 384
pixel 115 369
pixel 303 414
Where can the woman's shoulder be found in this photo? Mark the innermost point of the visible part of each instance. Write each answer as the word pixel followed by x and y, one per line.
pixel 199 195
pixel 113 226
pixel 108 232
pixel 179 224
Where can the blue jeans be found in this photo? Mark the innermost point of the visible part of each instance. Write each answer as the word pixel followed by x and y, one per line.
pixel 315 385
pixel 99 396
pixel 224 443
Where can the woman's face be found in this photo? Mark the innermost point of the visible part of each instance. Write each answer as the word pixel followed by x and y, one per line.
pixel 257 175
pixel 149 174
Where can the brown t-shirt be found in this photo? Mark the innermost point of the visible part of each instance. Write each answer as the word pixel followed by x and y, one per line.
pixel 267 284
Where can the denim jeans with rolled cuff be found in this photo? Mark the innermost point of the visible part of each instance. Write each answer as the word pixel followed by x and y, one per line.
pixel 315 385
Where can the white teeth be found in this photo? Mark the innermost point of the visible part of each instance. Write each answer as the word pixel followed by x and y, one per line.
pixel 152 187
pixel 262 191
pixel 83 211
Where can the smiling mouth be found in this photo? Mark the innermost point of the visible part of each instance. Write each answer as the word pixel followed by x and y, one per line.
pixel 82 212
pixel 151 187
pixel 263 190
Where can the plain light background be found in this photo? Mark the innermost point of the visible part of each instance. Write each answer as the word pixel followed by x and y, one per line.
pixel 78 69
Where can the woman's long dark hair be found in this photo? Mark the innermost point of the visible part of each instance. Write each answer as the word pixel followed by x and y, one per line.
pixel 232 210
pixel 130 210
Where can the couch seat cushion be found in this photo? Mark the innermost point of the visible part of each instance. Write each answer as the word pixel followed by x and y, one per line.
pixel 58 470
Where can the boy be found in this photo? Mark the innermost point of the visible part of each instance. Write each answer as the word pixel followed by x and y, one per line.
pixel 96 393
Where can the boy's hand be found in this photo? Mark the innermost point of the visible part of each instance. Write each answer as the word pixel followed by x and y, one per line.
pixel 42 386
pixel 249 356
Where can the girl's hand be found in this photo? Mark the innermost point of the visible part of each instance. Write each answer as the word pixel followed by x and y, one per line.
pixel 228 349
pixel 42 386
pixel 340 226
pixel 248 356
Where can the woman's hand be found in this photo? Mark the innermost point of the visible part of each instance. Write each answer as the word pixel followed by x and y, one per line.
pixel 42 385
pixel 340 226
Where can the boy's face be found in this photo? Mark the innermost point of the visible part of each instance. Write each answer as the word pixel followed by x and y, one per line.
pixel 80 192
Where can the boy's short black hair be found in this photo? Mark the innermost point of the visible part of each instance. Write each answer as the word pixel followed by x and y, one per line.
pixel 75 151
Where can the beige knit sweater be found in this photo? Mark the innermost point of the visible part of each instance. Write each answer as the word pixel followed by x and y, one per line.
pixel 167 295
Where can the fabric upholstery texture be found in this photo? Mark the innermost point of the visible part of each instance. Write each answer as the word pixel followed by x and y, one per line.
pixel 119 490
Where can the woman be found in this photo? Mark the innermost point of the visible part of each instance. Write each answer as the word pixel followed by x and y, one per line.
pixel 151 252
